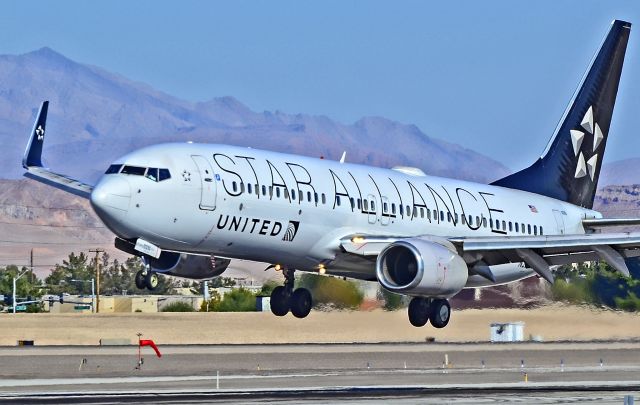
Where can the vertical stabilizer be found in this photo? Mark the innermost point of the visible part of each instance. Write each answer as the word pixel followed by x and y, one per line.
pixel 568 169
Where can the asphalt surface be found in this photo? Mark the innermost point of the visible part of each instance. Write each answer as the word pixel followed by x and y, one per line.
pixel 361 373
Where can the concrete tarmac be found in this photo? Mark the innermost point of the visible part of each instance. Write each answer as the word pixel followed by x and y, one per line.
pixel 455 373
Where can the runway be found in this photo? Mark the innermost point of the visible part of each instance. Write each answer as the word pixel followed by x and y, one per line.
pixel 310 373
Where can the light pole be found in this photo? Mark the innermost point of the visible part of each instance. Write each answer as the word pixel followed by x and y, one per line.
pixel 93 292
pixel 14 288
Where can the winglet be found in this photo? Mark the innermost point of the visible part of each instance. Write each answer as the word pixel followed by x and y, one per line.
pixel 32 161
pixel 33 154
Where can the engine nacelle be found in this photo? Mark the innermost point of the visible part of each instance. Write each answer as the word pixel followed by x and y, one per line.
pixel 188 266
pixel 420 267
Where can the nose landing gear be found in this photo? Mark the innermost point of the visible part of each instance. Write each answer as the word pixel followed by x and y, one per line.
pixel 285 298
pixel 147 279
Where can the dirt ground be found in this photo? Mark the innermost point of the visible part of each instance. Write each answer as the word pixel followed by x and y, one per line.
pixel 551 323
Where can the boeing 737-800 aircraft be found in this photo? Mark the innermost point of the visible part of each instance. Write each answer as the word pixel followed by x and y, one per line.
pixel 188 208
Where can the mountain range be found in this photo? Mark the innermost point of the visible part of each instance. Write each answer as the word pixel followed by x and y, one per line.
pixel 96 116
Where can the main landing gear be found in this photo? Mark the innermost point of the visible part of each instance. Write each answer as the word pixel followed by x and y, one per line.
pixel 285 298
pixel 147 279
pixel 423 310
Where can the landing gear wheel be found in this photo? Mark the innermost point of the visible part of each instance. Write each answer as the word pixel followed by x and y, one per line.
pixel 279 301
pixel 139 279
pixel 419 311
pixel 301 303
pixel 440 313
pixel 151 280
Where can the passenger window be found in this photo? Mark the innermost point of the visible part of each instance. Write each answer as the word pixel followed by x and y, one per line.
pixel 484 222
pixel 470 220
pixel 455 217
pixel 234 185
pixel 338 200
pixel 464 219
pixel 324 199
pixel 359 204
pixel 442 216
pixel 510 226
pixel 264 190
pixel 373 206
pixel 517 230
pixel 529 229
pixel 477 220
pixel 421 212
pixel 113 169
pixel 134 170
pixel 428 214
pixel 249 188
pixel 504 225
pixel 353 202
pixel 366 205
pixel 257 190
pixel 163 174
pixel 535 229
pixel 152 174
pixel 270 191
pixel 293 194
pixel 491 223
pixel 541 233
pixel 393 208
pixel 385 207
pixel 241 187
pixel 278 192
pixel 415 211
pixel 408 211
pixel 309 196
pixel 315 197
pixel 523 228
pixel 401 209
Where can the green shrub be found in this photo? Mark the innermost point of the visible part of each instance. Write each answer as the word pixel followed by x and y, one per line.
pixel 392 302
pixel 236 300
pixel 332 291
pixel 178 306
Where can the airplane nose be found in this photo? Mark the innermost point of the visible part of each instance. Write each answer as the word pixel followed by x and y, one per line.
pixel 110 198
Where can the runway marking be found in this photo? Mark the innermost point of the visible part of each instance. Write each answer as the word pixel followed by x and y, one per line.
pixel 6 383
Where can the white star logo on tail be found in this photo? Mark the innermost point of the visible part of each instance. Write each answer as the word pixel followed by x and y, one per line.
pixel 40 132
pixel 586 166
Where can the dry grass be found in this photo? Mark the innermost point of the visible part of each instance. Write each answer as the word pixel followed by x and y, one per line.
pixel 552 323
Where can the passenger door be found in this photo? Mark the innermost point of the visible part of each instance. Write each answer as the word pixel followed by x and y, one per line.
pixel 207 183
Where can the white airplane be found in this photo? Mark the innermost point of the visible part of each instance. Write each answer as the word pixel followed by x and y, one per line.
pixel 188 208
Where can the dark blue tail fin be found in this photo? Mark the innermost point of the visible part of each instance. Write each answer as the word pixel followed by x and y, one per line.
pixel 570 165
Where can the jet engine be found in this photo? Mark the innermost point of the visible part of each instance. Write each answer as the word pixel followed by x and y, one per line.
pixel 420 267
pixel 188 266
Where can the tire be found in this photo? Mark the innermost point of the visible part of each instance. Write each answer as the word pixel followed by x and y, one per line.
pixel 139 279
pixel 440 313
pixel 279 301
pixel 419 312
pixel 151 280
pixel 301 303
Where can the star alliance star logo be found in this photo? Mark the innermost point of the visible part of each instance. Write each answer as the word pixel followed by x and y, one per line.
pixel 186 176
pixel 40 132
pixel 586 166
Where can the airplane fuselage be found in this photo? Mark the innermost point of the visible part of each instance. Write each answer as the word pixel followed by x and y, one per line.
pixel 279 208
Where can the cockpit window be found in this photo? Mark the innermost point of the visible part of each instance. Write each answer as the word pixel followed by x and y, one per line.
pixel 134 170
pixel 152 173
pixel 164 174
pixel 113 169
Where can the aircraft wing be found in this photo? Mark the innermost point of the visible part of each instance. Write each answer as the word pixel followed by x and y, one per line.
pixel 538 252
pixel 32 160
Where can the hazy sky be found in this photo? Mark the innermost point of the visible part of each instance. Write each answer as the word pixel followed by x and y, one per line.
pixel 494 76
